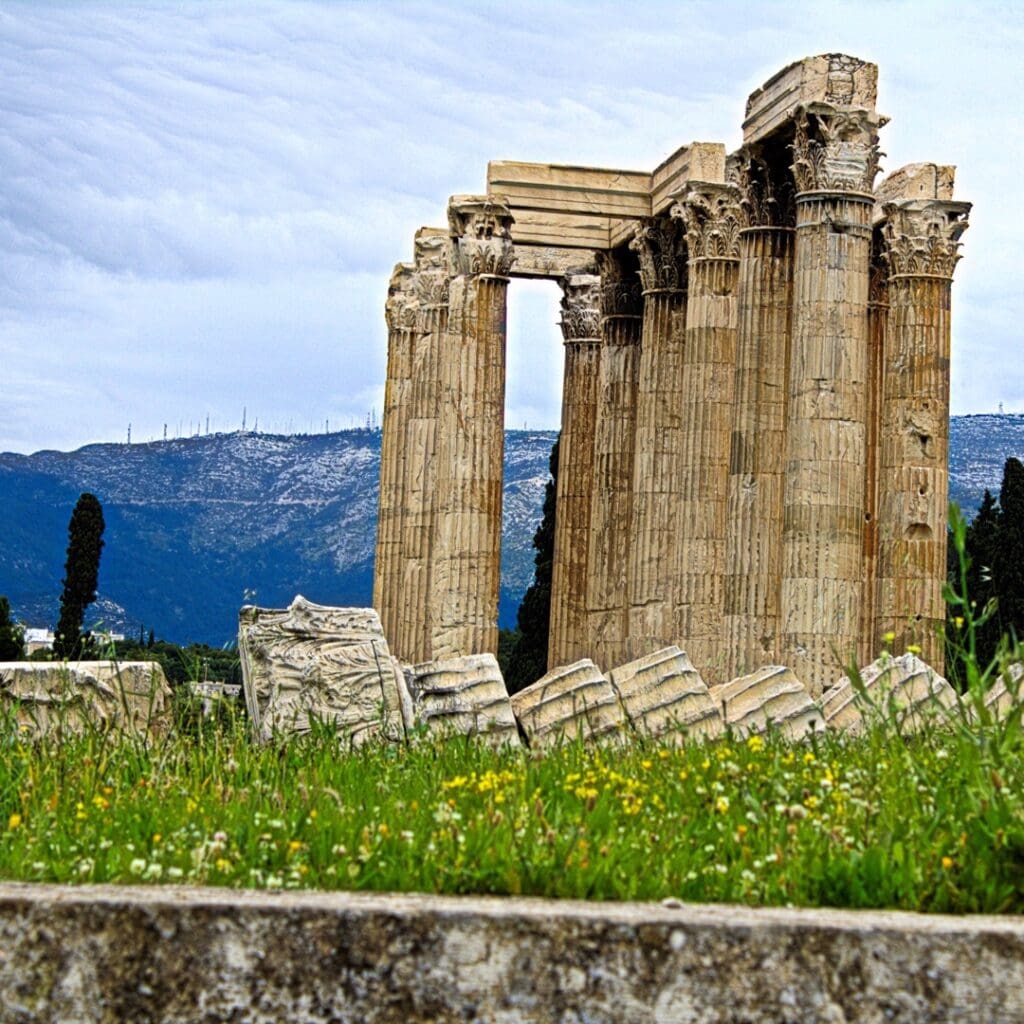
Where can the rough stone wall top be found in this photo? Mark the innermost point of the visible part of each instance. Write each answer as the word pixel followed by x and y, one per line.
pixel 833 78
pixel 310 660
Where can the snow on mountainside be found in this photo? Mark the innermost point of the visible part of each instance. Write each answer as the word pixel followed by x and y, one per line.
pixel 196 527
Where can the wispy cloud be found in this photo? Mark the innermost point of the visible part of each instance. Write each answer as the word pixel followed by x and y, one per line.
pixel 201 203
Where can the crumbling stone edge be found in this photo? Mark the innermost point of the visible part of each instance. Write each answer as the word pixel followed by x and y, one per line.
pixel 112 953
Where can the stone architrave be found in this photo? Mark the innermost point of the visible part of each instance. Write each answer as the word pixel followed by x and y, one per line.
pixel 835 160
pixel 660 244
pixel 757 459
pixel 921 248
pixel 614 439
pixel 400 312
pixel 771 696
pixel 411 639
pixel 568 637
pixel 466 560
pixel 462 697
pixel 310 661
pixel 713 218
pixel 662 694
pixel 569 702
pixel 47 698
pixel 905 687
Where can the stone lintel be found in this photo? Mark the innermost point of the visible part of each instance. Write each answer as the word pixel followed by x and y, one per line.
pixel 832 78
pixel 914 182
pixel 159 952
pixel 552 261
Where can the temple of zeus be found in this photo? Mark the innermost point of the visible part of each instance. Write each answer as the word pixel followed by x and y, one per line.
pixel 755 407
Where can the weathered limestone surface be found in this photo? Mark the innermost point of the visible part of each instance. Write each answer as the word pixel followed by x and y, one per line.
pixel 466 559
pixel 462 697
pixel 614 440
pixel 770 696
pixel 905 686
pixel 312 661
pixel 1006 692
pixel 411 634
pixel 835 162
pixel 49 697
pixel 581 328
pixel 570 701
pixel 94 954
pixel 713 218
pixel 401 311
pixel 757 458
pixel 662 693
pixel 657 489
pixel 921 250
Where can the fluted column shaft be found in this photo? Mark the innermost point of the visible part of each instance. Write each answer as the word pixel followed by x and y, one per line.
pixel 711 213
pixel 610 516
pixel 466 560
pixel 922 239
pixel 661 247
pixel 568 638
pixel 758 449
pixel 401 315
pixel 824 503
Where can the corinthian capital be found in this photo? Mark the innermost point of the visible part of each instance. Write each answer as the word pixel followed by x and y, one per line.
pixel 835 149
pixel 766 191
pixel 713 217
pixel 581 308
pixel 922 237
pixel 660 244
pixel 481 230
pixel 400 308
pixel 620 286
pixel 432 250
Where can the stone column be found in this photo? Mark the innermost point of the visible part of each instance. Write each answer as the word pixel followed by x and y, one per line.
pixel 835 161
pixel 712 215
pixel 921 247
pixel 753 555
pixel 878 311
pixel 400 312
pixel 466 562
pixel 614 437
pixel 660 244
pixel 569 638
pixel 411 641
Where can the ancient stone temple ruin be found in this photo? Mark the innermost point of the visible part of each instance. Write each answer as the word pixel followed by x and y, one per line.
pixel 753 462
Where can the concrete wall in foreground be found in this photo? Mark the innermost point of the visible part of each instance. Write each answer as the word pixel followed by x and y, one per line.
pixel 91 954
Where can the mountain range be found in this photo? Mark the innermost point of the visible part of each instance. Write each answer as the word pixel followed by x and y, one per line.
pixel 197 527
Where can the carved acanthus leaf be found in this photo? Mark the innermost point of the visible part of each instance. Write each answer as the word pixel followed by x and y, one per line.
pixel 835 150
pixel 713 217
pixel 402 303
pixel 923 237
pixel 433 262
pixel 660 244
pixel 581 309
pixel 620 288
pixel 768 200
pixel 481 229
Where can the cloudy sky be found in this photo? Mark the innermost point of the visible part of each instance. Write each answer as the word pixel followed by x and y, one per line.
pixel 200 203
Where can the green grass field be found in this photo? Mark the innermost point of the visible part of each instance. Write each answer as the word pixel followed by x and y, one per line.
pixel 934 822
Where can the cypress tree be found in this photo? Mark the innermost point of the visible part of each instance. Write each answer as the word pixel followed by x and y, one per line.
pixel 1008 561
pixel 528 656
pixel 81 574
pixel 12 639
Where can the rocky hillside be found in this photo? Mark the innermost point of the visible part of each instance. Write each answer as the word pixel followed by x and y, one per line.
pixel 197 527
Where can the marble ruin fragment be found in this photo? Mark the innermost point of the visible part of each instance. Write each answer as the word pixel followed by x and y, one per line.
pixel 309 661
pixel 570 701
pixel 771 696
pixel 662 694
pixel 905 687
pixel 1005 692
pixel 755 420
pixel 464 697
pixel 48 697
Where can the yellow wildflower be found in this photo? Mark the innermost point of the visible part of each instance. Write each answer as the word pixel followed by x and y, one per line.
pixel 13 821
pixel 294 846
pixel 722 804
pixel 755 744
pixel 947 863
